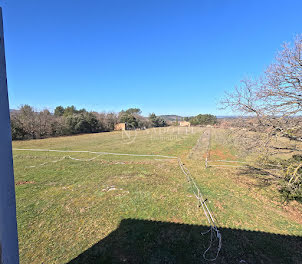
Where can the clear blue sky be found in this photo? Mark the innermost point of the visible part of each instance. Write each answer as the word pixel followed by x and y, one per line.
pixel 163 56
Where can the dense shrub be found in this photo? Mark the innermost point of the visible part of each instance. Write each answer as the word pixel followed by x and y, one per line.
pixel 133 119
pixel 157 121
pixel 203 120
pixel 83 123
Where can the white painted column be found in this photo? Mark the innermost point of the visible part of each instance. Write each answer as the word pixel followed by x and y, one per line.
pixel 9 252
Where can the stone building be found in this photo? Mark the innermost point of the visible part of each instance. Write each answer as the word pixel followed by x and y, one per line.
pixel 120 126
pixel 184 124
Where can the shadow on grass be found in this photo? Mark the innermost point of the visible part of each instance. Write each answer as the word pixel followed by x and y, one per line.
pixel 265 177
pixel 144 241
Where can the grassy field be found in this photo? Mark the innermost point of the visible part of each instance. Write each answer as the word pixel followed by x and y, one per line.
pixel 125 209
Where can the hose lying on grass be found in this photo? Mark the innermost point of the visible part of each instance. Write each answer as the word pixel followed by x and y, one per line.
pixel 201 201
pixel 65 157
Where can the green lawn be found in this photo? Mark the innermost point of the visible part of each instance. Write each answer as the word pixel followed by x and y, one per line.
pixel 124 209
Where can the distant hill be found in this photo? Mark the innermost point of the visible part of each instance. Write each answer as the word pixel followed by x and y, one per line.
pixel 172 117
pixel 180 118
pixel 225 117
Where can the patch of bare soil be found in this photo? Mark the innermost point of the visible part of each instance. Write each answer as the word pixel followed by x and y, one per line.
pixel 176 220
pixel 295 210
pixel 218 205
pixel 24 182
pixel 220 153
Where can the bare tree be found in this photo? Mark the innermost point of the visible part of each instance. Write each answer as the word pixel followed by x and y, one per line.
pixel 281 88
pixel 108 120
pixel 44 121
pixel 28 120
pixel 275 99
pixel 273 104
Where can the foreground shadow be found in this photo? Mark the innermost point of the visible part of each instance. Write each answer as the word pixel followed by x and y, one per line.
pixel 143 241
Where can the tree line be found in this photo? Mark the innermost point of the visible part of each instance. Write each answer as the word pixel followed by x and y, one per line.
pixel 26 123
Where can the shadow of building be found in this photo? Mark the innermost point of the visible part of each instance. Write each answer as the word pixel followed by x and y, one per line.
pixel 144 241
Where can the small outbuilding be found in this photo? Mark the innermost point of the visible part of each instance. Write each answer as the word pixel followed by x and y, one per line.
pixel 120 126
pixel 184 124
